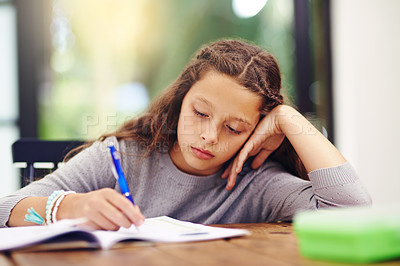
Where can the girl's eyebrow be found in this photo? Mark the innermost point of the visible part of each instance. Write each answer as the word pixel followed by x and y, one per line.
pixel 241 120
pixel 204 100
pixel 211 105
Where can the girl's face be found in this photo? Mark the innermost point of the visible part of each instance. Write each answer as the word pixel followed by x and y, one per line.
pixel 217 116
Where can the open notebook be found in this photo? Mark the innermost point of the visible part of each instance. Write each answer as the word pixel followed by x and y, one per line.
pixel 158 229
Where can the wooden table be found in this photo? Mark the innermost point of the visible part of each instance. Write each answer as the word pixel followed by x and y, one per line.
pixel 268 244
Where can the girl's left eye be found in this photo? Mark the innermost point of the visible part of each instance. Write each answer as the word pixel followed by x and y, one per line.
pixel 199 113
pixel 233 130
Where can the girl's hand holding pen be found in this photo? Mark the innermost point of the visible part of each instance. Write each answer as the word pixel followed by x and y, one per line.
pixel 105 209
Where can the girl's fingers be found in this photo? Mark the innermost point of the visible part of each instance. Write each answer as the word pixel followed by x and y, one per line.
pixel 227 171
pixel 237 164
pixel 115 215
pixel 254 146
pixel 232 176
pixel 136 216
pixel 99 221
pixel 260 159
pixel 243 155
pixel 89 225
pixel 122 211
pixel 109 210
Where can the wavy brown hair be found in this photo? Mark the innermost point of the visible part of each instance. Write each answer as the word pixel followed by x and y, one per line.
pixel 251 66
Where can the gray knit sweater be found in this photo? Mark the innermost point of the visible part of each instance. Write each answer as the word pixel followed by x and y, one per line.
pixel 159 188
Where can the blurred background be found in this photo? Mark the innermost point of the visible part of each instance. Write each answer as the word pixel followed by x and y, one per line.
pixel 72 70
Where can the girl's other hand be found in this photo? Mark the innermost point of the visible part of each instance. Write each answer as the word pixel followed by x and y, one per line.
pixel 265 139
pixel 105 209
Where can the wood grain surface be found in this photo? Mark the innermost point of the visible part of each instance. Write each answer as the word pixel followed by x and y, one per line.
pixel 268 244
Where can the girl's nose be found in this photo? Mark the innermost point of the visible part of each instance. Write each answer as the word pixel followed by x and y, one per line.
pixel 210 134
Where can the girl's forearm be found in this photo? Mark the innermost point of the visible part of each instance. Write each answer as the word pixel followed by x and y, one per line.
pixel 313 148
pixel 17 215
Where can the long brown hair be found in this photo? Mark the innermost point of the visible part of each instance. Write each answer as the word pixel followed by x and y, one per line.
pixel 249 65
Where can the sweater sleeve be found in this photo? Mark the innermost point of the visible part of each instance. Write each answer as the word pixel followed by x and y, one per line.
pixel 337 186
pixel 87 171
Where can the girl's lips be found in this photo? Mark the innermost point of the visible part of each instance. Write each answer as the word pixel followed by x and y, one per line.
pixel 202 154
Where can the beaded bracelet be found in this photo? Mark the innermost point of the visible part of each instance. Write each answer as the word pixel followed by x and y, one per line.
pixel 53 218
pixel 50 203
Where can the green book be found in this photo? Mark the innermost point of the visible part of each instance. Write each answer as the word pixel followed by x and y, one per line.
pixel 355 234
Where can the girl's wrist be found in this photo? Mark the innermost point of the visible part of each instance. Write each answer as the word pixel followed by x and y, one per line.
pixel 67 208
pixel 291 122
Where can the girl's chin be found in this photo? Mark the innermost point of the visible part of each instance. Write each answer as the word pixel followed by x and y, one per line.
pixel 203 169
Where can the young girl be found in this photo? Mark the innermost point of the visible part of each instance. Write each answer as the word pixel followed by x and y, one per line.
pixel 219 146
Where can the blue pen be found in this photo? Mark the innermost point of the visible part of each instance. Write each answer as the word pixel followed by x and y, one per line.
pixel 118 173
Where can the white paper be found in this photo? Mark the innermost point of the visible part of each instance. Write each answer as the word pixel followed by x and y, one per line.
pixel 158 229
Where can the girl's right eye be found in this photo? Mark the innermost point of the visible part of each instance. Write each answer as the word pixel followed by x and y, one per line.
pixel 199 113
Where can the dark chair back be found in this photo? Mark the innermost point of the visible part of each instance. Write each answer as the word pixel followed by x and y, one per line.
pixel 33 151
